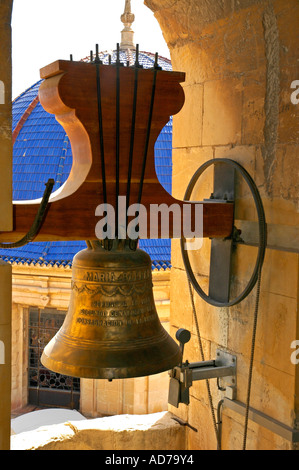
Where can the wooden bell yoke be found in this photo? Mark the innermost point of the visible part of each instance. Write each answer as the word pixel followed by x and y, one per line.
pixel 113 115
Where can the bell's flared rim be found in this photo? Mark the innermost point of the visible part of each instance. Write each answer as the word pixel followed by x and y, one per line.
pixel 138 359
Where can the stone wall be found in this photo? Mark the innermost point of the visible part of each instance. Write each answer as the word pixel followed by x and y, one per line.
pixel 5 217
pixel 240 59
pixel 5 118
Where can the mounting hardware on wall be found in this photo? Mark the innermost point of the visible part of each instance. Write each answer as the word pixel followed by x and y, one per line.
pixel 183 375
pixel 225 171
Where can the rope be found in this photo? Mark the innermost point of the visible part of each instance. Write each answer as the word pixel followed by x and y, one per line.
pixel 255 319
pixel 38 221
pixel 203 358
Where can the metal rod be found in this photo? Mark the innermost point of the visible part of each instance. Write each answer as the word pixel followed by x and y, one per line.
pixel 137 56
pixel 100 118
pixel 117 141
pixel 147 136
pixel 97 59
pixel 263 420
pixel 117 54
pixel 132 142
pixel 197 365
pixel 212 372
pixel 280 237
pixel 156 65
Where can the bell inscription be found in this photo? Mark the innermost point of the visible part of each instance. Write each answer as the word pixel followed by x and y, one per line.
pixel 135 304
pixel 114 276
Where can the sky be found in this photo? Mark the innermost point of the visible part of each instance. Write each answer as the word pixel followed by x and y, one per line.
pixel 46 30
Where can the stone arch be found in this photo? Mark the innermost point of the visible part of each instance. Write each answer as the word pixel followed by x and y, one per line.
pixel 5 116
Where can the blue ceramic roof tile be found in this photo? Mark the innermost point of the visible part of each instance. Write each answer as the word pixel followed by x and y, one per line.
pixel 42 150
pixel 22 102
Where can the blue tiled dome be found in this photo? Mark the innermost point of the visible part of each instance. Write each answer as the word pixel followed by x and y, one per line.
pixel 42 150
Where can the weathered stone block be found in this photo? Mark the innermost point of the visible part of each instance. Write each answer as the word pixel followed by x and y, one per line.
pixel 188 122
pixel 222 122
pixel 157 431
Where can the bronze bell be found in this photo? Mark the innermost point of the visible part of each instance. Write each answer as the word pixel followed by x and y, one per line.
pixel 112 329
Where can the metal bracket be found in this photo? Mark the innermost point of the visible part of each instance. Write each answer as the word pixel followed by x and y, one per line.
pixel 182 377
pixel 227 383
pixel 221 249
pixel 288 433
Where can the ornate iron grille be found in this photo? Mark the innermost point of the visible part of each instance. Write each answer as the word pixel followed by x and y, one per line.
pixel 47 388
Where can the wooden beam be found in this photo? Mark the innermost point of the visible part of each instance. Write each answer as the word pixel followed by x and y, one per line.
pixel 70 92
pixel 280 237
pixel 78 222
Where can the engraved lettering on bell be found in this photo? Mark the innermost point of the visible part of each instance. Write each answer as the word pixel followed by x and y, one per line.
pixel 111 276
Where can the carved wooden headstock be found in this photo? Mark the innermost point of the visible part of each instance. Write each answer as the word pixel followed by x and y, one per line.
pixel 113 116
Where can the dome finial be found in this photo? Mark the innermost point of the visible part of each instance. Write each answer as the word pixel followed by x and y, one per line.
pixel 127 33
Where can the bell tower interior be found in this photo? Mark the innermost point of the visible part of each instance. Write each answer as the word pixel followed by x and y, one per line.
pixel 240 60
